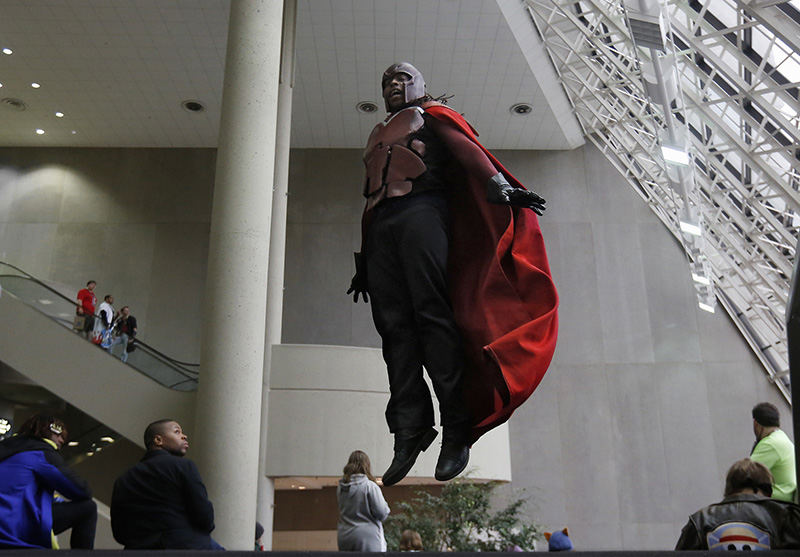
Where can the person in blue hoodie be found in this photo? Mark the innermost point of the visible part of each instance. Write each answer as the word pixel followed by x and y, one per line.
pixel 31 470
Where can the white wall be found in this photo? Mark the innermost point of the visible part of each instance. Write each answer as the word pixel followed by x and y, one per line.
pixel 331 396
pixel 647 401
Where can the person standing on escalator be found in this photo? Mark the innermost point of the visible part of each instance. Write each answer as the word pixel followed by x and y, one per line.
pixel 105 320
pixel 126 327
pixel 87 302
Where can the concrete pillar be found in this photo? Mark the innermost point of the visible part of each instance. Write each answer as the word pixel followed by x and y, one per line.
pixel 227 428
pixel 277 255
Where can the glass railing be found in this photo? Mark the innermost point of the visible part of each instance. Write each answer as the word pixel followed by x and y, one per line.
pixel 145 359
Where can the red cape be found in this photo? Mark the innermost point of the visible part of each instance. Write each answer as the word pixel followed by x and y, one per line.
pixel 503 296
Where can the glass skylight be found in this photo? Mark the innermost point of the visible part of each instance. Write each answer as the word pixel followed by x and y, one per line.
pixel 738 73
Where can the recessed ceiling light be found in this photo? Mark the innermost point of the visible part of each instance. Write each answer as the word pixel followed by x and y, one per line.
pixel 72 444
pixel 193 106
pixel 1 84
pixel 8 51
pixel 521 109
pixel 39 131
pixel 59 114
pixel 35 85
pixel 73 132
pixel 367 107
pixel 107 439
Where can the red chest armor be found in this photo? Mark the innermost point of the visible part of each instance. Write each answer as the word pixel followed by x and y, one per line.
pixel 393 158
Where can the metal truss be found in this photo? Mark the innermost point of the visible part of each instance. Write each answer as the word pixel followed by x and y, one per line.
pixel 727 90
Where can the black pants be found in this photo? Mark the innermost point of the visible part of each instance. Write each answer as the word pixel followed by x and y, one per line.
pixel 81 516
pixel 407 247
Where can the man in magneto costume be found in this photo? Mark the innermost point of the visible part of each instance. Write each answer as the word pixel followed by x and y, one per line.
pixel 454 262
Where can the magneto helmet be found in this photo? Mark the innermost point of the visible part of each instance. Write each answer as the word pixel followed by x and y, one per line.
pixel 415 87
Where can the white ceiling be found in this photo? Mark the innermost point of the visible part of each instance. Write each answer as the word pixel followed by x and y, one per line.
pixel 119 70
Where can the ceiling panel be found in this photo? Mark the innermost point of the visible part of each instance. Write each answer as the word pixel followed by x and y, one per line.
pixel 120 70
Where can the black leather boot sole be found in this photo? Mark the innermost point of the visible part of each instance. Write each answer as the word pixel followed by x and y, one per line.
pixel 406 452
pixel 452 461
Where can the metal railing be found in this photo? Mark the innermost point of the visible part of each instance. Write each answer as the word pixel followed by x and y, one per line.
pixel 145 359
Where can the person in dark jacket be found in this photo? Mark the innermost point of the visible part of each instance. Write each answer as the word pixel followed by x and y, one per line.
pixel 746 519
pixel 30 471
pixel 127 328
pixel 161 503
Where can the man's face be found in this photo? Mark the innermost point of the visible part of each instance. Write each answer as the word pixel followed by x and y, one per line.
pixel 91 286
pixel 110 299
pixel 172 439
pixel 125 312
pixel 394 93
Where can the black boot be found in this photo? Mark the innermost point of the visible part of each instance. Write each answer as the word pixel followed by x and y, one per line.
pixel 407 446
pixel 453 457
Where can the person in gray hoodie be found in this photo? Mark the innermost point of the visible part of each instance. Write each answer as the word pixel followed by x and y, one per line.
pixel 362 508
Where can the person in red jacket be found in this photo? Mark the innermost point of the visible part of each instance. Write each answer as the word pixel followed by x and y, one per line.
pixel 453 261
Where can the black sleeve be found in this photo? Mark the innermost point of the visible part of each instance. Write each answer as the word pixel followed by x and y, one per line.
pixel 119 522
pixel 132 326
pixel 790 528
pixel 200 509
pixel 69 484
pixel 690 538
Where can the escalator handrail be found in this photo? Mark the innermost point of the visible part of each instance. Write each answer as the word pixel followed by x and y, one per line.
pixel 139 343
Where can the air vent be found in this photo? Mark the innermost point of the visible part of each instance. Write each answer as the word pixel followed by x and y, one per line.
pixel 191 105
pixel 367 107
pixel 646 31
pixel 16 104
pixel 521 109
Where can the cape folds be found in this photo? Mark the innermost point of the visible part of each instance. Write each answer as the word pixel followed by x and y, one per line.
pixel 503 296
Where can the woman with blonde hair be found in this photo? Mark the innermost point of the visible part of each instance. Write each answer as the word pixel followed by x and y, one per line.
pixel 362 508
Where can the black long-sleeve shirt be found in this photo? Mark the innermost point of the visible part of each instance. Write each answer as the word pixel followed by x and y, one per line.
pixel 161 503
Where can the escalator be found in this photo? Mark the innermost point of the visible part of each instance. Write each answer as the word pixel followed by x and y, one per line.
pixel 37 341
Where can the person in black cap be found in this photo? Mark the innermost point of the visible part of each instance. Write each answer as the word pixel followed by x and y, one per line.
pixel 775 450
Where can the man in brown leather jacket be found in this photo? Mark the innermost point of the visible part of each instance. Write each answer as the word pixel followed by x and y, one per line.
pixel 746 519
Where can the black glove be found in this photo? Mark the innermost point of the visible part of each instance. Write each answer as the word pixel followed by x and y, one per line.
pixel 359 282
pixel 499 191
